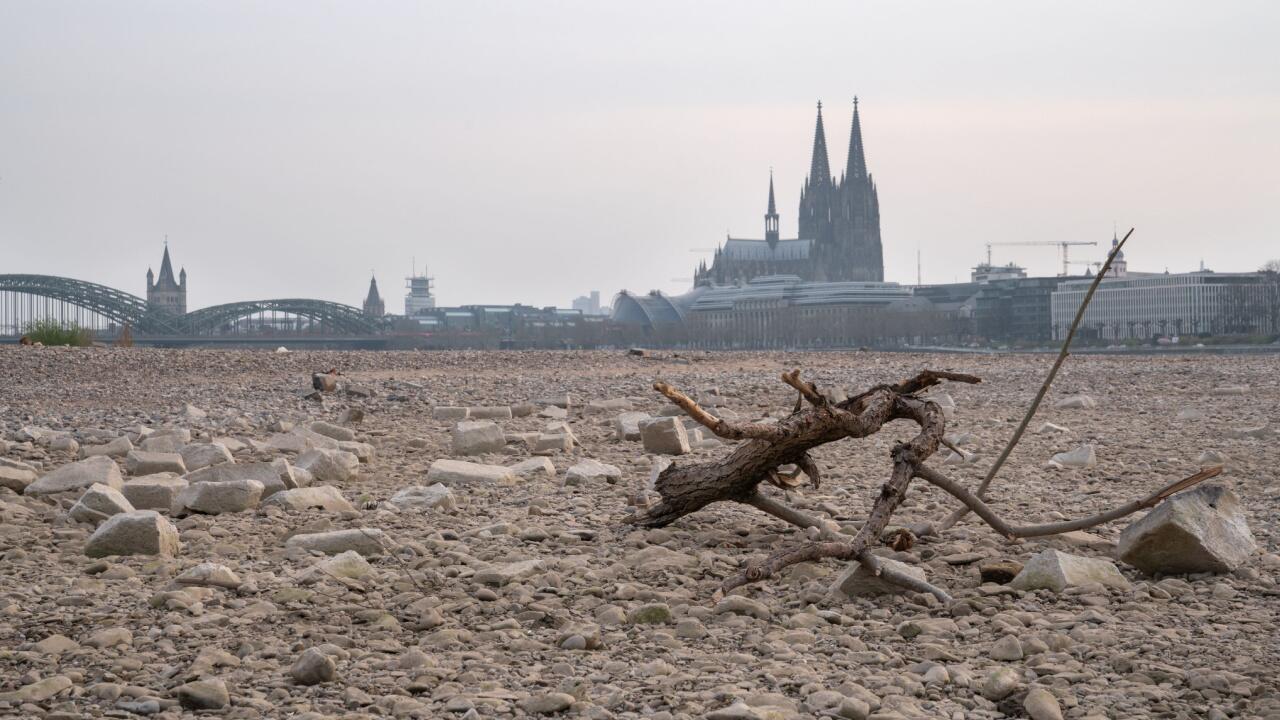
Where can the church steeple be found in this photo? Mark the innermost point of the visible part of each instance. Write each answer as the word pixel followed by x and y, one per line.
pixel 373 304
pixel 819 167
pixel 771 216
pixel 857 165
pixel 166 270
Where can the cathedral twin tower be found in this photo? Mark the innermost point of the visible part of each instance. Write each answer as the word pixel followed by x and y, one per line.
pixel 839 238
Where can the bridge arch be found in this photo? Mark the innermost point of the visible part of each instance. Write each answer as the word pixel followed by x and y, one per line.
pixel 343 319
pixel 115 305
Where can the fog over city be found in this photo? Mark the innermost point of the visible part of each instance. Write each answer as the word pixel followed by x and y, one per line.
pixel 530 152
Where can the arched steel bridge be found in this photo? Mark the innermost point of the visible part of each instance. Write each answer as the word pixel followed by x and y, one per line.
pixel 126 309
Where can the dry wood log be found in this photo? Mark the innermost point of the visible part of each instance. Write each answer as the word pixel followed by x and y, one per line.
pixel 685 489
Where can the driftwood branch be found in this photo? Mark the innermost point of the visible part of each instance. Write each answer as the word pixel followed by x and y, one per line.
pixel 959 514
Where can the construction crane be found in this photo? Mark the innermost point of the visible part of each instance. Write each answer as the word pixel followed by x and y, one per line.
pixel 1064 244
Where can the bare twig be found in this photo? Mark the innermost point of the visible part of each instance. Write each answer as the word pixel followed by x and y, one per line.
pixel 955 517
pixel 722 428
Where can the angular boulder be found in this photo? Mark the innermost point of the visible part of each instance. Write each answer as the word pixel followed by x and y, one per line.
pixel 337 432
pixel 1201 530
pixel 501 412
pixel 16 475
pixel 153 492
pixel 461 472
pixel 98 503
pixel 78 476
pixel 144 462
pixel 664 436
pixel 627 425
pixel 203 455
pixel 366 541
pixel 856 581
pixel 592 471
pixel 477 437
pixel 328 465
pixel 1057 571
pixel 322 497
pixel 435 496
pixel 215 498
pixel 141 532
pixel 118 447
pixel 209 575
pixel 534 467
pixel 444 412
pixel 1082 457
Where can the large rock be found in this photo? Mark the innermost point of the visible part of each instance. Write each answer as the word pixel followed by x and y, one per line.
pixel 164 442
pixel 205 454
pixel 534 467
pixel 362 450
pixel 313 667
pixel 300 440
pixel 214 498
pixel 154 492
pixel 1082 457
pixel 461 472
pixel 337 432
pixel 435 496
pixel 141 532
pixel 627 425
pixel 118 447
pixel 16 475
pixel 328 465
pixel 1057 571
pixel 665 436
pixel 272 475
pixel 592 471
pixel 548 443
pixel 1201 530
pixel 78 476
pixel 366 541
pixel 323 497
pixel 856 581
pixel 143 462
pixel 477 437
pixel 501 412
pixel 98 503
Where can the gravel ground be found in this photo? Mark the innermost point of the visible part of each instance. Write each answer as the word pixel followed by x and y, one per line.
pixel 609 621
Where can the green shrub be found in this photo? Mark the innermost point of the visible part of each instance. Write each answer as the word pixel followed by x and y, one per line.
pixel 52 332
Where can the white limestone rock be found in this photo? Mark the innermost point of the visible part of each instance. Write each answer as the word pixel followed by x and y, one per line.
pixel 214 498
pixel 329 465
pixel 856 581
pixel 98 503
pixel 202 455
pixel 144 462
pixel 1057 571
pixel 269 474
pixel 369 542
pixel 78 476
pixel 477 437
pixel 461 472
pixel 118 447
pixel 1075 402
pixel 16 475
pixel 1082 457
pixel 210 575
pixel 533 467
pixel 337 432
pixel 443 412
pixel 508 572
pixel 592 471
pixel 435 497
pixel 1200 530
pixel 141 532
pixel 322 497
pixel 664 436
pixel 627 425
pixel 604 407
pixel 154 492
pixel 502 412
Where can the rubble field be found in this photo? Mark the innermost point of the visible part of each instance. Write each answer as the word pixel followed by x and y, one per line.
pixel 444 535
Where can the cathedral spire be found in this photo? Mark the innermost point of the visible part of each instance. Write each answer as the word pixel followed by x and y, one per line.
pixel 819 168
pixel 857 166
pixel 166 269
pixel 771 216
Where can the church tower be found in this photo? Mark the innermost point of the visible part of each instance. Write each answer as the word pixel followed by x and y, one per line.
pixel 373 305
pixel 164 294
pixel 859 255
pixel 816 201
pixel 771 217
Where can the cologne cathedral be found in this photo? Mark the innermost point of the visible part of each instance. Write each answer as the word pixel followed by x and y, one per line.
pixel 839 234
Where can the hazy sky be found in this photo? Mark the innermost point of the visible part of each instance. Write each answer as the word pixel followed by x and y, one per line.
pixel 531 151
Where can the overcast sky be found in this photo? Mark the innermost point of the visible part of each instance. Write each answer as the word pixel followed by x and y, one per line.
pixel 532 151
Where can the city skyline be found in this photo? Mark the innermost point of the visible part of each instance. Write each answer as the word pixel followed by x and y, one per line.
pixel 529 155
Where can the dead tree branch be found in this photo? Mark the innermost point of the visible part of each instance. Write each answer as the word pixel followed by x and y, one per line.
pixel 955 517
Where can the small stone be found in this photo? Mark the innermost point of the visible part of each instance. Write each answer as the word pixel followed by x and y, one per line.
pixel 443 412
pixel 313 667
pixel 1000 572
pixel 492 412
pixel 203 695
pixel 1074 402
pixel 547 704
pixel 337 432
pixel 593 472
pixel 1000 683
pixel 534 467
pixel 651 614
pixel 110 637
pixel 509 572
pixel 432 497
pixel 322 497
pixel 209 575
pixel 627 425
pixel 742 605
pixel 38 691
pixel 56 645
pixel 1082 457
pixel 1040 704
pixel 1006 648
pixel 460 473
pixel 366 541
